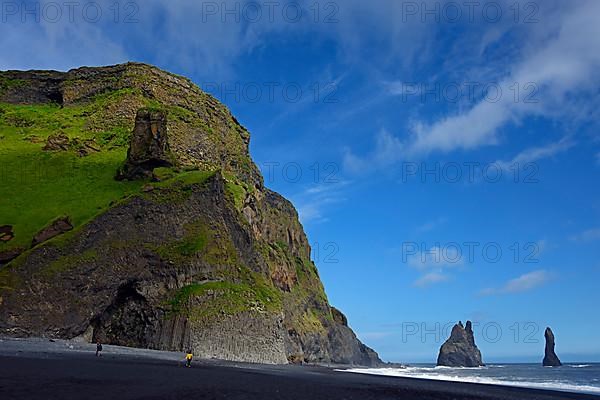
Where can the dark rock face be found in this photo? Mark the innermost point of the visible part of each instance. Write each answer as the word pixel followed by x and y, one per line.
pixel 57 227
pixel 550 357
pixel 42 87
pixel 149 146
pixel 7 256
pixel 113 257
pixel 339 317
pixel 460 349
pixel 347 349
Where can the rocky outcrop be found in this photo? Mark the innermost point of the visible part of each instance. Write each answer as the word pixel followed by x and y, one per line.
pixel 347 348
pixel 57 142
pixel 149 148
pixel 208 258
pixel 6 233
pixel 460 349
pixel 61 142
pixel 57 227
pixel 7 256
pixel 85 147
pixel 550 357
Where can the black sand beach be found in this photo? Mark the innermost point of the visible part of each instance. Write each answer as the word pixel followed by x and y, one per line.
pixel 82 376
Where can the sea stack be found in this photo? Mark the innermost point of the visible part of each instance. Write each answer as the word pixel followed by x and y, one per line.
pixel 550 357
pixel 460 349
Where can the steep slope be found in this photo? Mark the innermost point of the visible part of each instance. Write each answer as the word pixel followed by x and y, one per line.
pixel 186 249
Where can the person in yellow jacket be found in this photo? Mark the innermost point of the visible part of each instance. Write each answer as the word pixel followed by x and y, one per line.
pixel 188 358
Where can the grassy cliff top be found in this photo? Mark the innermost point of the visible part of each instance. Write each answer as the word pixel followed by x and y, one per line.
pixel 88 114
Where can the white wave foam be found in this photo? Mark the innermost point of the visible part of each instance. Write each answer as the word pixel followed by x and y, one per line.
pixel 437 368
pixel 580 366
pixel 424 373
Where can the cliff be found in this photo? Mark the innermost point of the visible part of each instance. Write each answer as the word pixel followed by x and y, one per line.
pixel 460 349
pixel 152 225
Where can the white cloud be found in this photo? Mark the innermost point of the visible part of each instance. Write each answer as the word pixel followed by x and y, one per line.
pixel 523 283
pixel 386 152
pixel 430 279
pixel 526 282
pixel 187 37
pixel 464 131
pixel 589 235
pixel 363 25
pixel 432 264
pixel 561 59
pixel 541 247
pixel 436 257
pixel 177 33
pixel 61 45
pixel 431 225
pixel 313 202
pixel 534 154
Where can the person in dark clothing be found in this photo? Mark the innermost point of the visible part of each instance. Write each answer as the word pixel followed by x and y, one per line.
pixel 98 349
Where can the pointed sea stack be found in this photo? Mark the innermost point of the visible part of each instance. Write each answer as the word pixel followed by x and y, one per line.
pixel 550 357
pixel 460 349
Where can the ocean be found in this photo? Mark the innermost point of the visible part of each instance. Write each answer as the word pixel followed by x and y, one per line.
pixel 582 378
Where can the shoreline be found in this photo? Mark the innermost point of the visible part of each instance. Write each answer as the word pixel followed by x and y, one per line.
pixel 479 379
pixel 38 368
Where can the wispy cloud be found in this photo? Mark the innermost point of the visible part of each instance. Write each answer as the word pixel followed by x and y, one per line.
pixel 174 34
pixel 436 257
pixel 523 283
pixel 565 63
pixel 313 201
pixel 561 60
pixel 534 154
pixel 431 225
pixel 588 235
pixel 542 245
pixel 386 152
pixel 433 264
pixel 429 279
pixel 56 45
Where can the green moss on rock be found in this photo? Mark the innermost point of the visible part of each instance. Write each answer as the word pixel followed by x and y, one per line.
pixel 67 262
pixel 197 236
pixel 8 83
pixel 208 300
pixel 237 191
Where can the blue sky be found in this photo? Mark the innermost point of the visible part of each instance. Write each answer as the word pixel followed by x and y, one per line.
pixel 417 139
